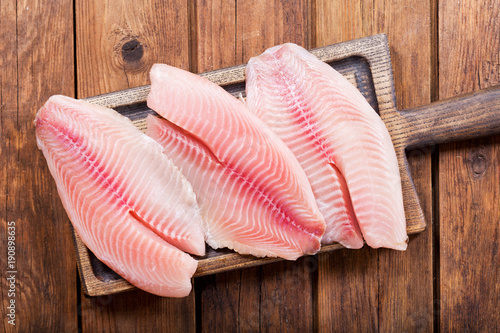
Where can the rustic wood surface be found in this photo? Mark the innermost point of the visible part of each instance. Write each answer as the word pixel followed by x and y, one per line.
pixel 469 276
pixel 448 279
pixel 36 61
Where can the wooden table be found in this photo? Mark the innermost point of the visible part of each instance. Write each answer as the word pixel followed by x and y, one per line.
pixel 448 279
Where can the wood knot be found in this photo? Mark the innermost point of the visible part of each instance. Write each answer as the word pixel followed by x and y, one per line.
pixel 478 163
pixel 132 51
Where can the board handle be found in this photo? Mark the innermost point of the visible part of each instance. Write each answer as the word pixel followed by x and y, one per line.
pixel 467 116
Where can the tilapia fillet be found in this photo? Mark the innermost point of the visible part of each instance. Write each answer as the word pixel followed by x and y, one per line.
pixel 254 196
pixel 128 202
pixel 340 141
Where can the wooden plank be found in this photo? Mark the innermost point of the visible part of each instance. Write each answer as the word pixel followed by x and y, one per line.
pixel 9 135
pixel 403 297
pixel 36 61
pixel 117 43
pixel 215 35
pixel 262 24
pixel 346 291
pixel 339 21
pixel 406 279
pixel 469 181
pixel 137 311
pixel 287 298
pixel 229 301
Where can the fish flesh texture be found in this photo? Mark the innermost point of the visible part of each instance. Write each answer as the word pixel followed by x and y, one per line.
pixel 274 98
pixel 236 217
pixel 340 141
pixel 127 201
pixel 254 196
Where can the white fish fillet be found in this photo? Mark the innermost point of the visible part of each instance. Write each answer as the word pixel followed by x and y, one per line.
pixel 128 202
pixel 254 196
pixel 341 142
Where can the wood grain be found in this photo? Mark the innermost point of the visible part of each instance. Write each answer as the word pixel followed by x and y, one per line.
pixel 347 280
pixel 117 42
pixel 229 301
pixel 263 24
pixel 36 61
pixel 137 311
pixel 462 117
pixel 340 21
pixel 406 284
pixel 286 303
pixel 439 49
pixel 9 135
pixel 469 180
pixel 336 21
pixel 215 33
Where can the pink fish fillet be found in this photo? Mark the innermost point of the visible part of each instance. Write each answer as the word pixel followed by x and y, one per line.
pixel 254 196
pixel 340 141
pixel 128 202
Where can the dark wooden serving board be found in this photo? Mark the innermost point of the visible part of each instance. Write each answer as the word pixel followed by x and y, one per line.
pixel 366 63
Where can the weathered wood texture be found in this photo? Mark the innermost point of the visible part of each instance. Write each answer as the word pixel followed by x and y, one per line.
pixel 469 177
pixel 439 49
pixel 116 44
pixel 396 292
pixel 35 62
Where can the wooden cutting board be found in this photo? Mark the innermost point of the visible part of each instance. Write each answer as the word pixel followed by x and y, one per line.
pixel 366 63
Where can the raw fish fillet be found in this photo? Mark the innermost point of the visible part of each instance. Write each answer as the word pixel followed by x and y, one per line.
pixel 254 196
pixel 128 202
pixel 340 141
